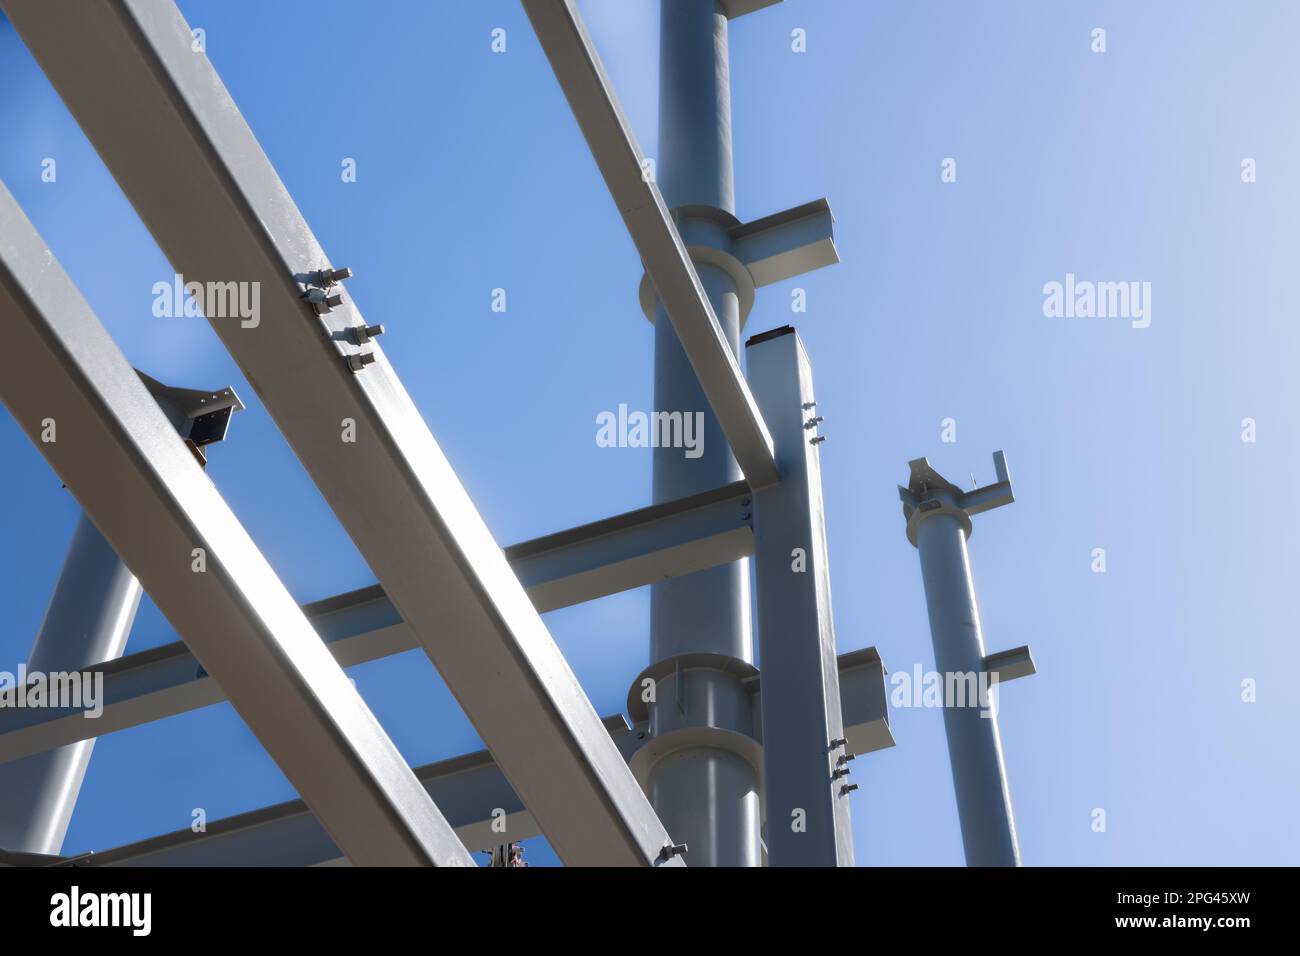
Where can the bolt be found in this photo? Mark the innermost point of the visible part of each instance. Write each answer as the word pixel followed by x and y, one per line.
pixel 845 758
pixel 321 302
pixel 839 742
pixel 359 360
pixel 809 404
pixel 842 772
pixel 812 422
pixel 331 276
pixel 362 334
pixel 671 850
pixel 817 441
pixel 848 788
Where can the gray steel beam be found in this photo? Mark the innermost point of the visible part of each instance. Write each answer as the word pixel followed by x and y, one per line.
pixel 165 126
pixel 582 77
pixel 667 540
pixel 124 462
pixel 805 752
pixel 938 524
pixel 580 564
pixel 88 622
pixel 470 791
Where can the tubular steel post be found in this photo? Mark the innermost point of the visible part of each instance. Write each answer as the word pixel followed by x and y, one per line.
pixel 938 524
pixel 88 621
pixel 706 791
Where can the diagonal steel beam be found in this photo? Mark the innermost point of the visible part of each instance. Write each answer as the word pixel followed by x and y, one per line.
pixel 580 564
pixel 167 129
pixel 577 66
pixel 92 418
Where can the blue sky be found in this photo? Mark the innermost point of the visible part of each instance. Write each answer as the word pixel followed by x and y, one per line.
pixel 472 175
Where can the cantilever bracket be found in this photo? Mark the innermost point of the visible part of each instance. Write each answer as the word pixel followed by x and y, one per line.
pixel 202 418
pixel 1008 665
pixel 738 8
pixel 928 492
pixel 768 250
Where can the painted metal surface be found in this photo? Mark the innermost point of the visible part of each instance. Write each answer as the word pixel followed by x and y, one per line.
pixel 806 759
pixel 165 126
pixel 938 516
pixel 123 460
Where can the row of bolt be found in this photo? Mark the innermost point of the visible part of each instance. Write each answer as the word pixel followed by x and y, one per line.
pixel 813 423
pixel 841 768
pixel 322 301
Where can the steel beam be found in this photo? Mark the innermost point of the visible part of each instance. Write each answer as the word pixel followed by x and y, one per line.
pixel 124 462
pixel 165 126
pixel 470 790
pixel 806 760
pixel 580 564
pixel 582 77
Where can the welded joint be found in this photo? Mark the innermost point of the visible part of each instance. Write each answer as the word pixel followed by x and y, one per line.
pixel 928 494
pixel 773 249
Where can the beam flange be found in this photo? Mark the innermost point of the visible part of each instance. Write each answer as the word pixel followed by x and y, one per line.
pixel 132 473
pixel 582 77
pixel 165 126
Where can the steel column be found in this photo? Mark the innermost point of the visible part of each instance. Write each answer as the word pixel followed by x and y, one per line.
pixel 938 524
pixel 806 760
pixel 708 795
pixel 88 621
pixel 124 462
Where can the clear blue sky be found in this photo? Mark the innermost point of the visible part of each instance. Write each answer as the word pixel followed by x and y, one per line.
pixel 472 175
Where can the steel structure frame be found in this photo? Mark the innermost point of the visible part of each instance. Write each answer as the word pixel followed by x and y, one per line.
pixel 169 132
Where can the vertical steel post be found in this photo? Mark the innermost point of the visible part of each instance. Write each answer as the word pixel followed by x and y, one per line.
pixel 938 524
pixel 805 756
pixel 706 795
pixel 87 622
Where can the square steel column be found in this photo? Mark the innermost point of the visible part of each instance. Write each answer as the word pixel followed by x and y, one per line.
pixel 805 755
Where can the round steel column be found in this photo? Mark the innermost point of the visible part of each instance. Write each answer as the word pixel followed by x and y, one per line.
pixel 706 795
pixel 87 622
pixel 979 776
